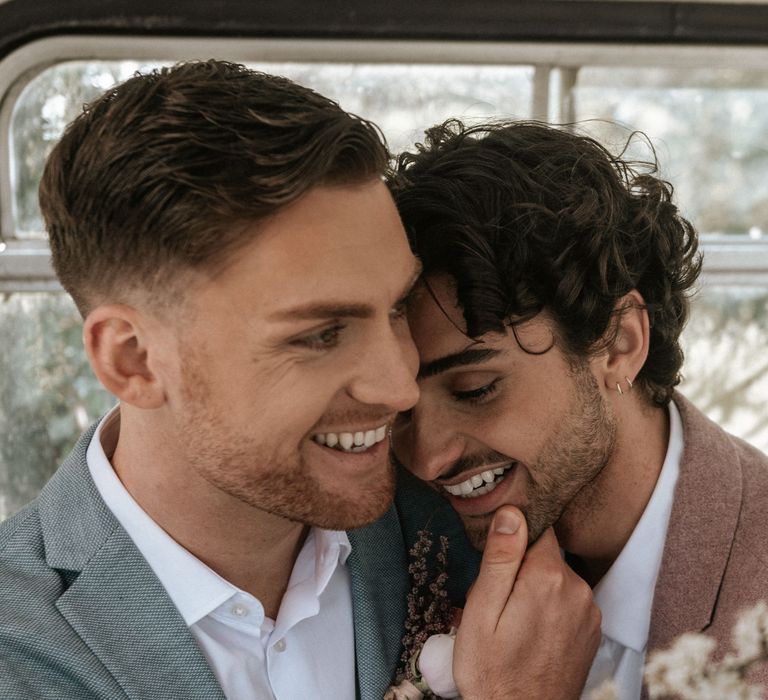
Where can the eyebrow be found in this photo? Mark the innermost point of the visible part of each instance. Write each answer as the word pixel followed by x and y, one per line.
pixel 470 356
pixel 330 309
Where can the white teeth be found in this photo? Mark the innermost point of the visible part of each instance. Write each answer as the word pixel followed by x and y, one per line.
pixel 478 484
pixel 483 489
pixel 358 441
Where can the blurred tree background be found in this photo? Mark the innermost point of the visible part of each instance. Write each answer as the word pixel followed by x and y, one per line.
pixel 48 395
pixel 707 127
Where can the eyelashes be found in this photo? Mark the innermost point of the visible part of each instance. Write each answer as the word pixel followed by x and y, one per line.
pixel 479 394
pixel 330 337
pixel 325 339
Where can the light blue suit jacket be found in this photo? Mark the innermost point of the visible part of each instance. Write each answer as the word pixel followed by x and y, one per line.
pixel 82 615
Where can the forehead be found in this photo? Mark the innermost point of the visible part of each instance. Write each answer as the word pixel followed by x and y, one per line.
pixel 436 321
pixel 341 243
pixel 439 329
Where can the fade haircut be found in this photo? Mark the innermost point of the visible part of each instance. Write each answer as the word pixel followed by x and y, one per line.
pixel 526 217
pixel 168 172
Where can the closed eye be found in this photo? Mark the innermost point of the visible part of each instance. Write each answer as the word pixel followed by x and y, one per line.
pixel 477 395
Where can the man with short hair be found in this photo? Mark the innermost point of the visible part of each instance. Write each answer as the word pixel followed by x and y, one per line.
pixel 242 273
pixel 555 287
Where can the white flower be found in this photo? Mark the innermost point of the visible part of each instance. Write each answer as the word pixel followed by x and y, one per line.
pixel 436 665
pixel 722 683
pixel 687 671
pixel 607 690
pixel 670 672
pixel 750 634
pixel 405 690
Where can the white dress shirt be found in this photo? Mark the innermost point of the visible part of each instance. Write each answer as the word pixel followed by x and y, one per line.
pixel 308 651
pixel 625 594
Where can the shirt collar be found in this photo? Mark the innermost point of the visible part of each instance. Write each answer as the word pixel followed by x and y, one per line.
pixel 195 589
pixel 625 594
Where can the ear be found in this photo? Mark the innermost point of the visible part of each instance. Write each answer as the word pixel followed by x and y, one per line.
pixel 118 341
pixel 626 355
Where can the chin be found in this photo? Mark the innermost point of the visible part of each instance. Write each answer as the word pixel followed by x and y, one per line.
pixel 348 512
pixel 349 516
pixel 477 530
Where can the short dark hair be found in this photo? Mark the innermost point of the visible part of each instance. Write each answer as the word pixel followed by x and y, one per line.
pixel 527 217
pixel 166 172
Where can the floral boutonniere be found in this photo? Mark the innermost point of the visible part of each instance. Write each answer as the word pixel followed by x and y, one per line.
pixel 430 629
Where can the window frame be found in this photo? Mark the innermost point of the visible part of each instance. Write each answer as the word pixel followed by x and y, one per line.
pixel 25 264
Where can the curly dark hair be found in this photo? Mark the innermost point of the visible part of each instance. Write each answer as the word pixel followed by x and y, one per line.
pixel 167 171
pixel 528 217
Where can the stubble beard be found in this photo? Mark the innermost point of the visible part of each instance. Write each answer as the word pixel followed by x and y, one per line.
pixel 263 478
pixel 477 530
pixel 285 490
pixel 567 467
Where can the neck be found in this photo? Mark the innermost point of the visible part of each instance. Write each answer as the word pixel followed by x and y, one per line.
pixel 251 548
pixel 601 519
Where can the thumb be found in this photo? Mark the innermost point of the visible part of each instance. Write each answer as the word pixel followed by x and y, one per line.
pixel 502 556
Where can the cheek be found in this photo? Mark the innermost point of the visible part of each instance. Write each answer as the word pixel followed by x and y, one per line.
pixel 295 403
pixel 513 427
pixel 271 385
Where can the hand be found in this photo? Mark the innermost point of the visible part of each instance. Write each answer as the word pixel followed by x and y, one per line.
pixel 530 628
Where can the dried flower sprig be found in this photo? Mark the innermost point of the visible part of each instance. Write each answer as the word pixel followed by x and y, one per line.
pixel 429 613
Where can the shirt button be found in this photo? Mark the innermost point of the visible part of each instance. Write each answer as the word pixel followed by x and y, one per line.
pixel 280 645
pixel 239 610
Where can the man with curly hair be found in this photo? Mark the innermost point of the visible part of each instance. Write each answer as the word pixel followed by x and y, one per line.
pixel 556 280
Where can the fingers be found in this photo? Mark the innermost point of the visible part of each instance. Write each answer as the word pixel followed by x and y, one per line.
pixel 546 546
pixel 544 553
pixel 528 614
pixel 502 557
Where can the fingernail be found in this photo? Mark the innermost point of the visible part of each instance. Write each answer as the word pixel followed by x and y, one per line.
pixel 506 522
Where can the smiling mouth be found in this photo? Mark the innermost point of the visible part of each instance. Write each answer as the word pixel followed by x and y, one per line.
pixel 479 484
pixel 352 441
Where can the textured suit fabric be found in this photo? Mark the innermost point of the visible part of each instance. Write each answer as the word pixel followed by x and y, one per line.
pixel 715 560
pixel 82 615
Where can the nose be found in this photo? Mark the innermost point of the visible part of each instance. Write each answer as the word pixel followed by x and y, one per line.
pixel 424 442
pixel 387 375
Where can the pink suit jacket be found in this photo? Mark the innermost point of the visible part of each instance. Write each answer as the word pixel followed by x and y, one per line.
pixel 715 560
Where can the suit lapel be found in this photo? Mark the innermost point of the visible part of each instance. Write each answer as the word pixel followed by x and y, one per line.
pixel 378 572
pixel 122 612
pixel 116 603
pixel 701 530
